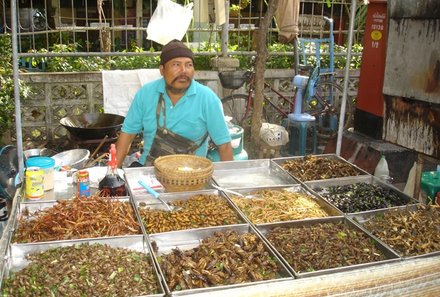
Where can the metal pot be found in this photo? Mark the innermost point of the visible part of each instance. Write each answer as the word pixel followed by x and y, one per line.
pixel 92 125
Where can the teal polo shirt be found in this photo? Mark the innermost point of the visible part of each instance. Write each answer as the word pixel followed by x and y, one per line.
pixel 197 112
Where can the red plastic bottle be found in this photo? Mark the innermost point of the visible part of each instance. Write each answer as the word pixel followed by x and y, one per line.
pixel 112 185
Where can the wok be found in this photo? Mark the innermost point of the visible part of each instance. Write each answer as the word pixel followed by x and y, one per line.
pixel 92 125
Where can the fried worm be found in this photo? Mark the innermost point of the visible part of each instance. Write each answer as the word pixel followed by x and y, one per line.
pixel 274 206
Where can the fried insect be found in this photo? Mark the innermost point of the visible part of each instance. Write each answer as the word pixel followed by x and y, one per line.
pixel 196 212
pixel 323 246
pixel 78 218
pixel 361 197
pixel 84 270
pixel 317 168
pixel 222 259
pixel 410 233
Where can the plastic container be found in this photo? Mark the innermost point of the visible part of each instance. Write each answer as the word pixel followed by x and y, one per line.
pixel 382 171
pixel 236 133
pixel 34 183
pixel 47 164
pixel 430 183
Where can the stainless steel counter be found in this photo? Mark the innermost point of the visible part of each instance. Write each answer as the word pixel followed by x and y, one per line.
pixel 398 276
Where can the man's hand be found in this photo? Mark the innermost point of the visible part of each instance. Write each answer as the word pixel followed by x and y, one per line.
pixel 123 147
pixel 226 152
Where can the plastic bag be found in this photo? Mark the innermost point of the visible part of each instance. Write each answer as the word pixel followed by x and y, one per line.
pixel 169 21
pixel 274 135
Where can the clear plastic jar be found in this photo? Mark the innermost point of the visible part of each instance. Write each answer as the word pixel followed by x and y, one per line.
pixel 47 164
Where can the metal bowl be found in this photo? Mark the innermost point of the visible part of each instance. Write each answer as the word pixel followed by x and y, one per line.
pixel 75 158
pixel 92 125
pixel 38 152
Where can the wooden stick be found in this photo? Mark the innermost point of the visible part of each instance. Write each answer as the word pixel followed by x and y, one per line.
pixel 93 162
pixel 99 146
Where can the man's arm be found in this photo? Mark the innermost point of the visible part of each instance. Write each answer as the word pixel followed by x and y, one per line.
pixel 123 146
pixel 226 152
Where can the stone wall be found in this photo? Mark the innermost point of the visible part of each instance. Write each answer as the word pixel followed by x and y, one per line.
pixel 56 95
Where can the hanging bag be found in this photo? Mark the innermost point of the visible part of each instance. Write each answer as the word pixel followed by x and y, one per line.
pixel 170 21
pixel 166 142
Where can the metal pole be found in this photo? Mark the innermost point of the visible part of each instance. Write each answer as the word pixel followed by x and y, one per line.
pixel 16 90
pixel 296 53
pixel 346 77
pixel 225 31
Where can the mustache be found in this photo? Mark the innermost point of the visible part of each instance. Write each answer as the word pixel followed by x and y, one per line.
pixel 180 77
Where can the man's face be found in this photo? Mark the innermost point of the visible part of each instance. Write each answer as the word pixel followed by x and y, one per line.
pixel 178 74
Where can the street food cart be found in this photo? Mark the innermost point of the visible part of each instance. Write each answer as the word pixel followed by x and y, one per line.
pixel 297 226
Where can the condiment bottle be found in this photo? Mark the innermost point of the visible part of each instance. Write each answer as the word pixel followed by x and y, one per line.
pixel 83 183
pixel 112 184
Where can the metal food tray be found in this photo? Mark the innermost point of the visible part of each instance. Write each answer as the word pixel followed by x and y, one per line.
pixel 64 192
pixel 319 186
pixel 390 254
pixel 39 206
pixel 15 258
pixel 329 208
pixel 57 193
pixel 147 174
pixel 362 217
pixel 133 175
pixel 280 162
pixel 186 240
pixel 151 202
pixel 250 173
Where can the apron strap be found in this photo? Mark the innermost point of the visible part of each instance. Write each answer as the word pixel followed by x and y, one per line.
pixel 169 138
pixel 161 106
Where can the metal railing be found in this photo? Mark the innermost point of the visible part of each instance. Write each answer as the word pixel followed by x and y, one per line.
pixel 41 24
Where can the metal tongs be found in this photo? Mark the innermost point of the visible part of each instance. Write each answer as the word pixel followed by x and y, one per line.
pixel 157 195
pixel 234 193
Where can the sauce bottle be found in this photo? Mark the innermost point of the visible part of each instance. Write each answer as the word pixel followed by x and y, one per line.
pixel 112 184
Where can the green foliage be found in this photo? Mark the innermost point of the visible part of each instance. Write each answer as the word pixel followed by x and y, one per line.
pixel 7 102
pixel 340 53
pixel 280 62
pixel 356 60
pixel 71 64
pixel 202 62
pixel 135 62
pixel 77 64
pixel 360 21
pixel 5 54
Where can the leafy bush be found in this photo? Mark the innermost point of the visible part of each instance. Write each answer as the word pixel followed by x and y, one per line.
pixel 278 61
pixel 7 102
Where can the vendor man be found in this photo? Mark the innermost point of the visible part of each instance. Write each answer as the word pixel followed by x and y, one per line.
pixel 176 113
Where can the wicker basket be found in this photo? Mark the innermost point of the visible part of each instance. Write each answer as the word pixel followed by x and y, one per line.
pixel 178 173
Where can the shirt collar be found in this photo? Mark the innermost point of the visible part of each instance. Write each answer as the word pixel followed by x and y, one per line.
pixel 190 92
